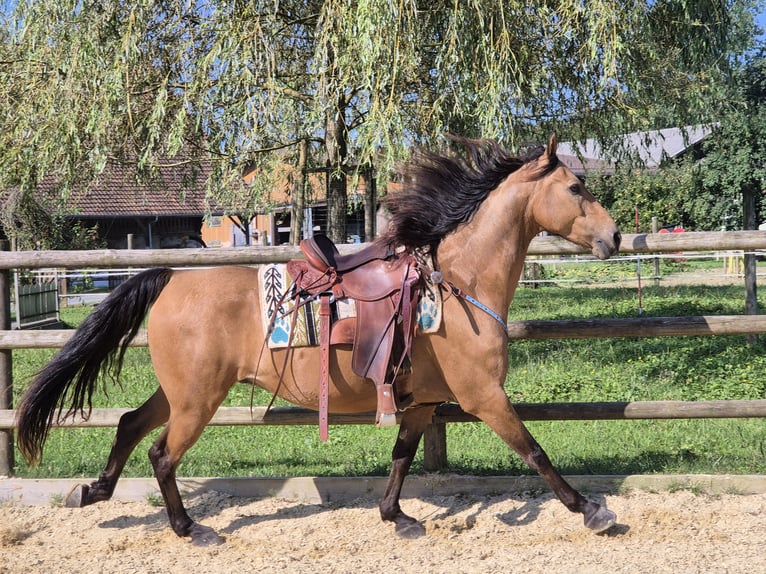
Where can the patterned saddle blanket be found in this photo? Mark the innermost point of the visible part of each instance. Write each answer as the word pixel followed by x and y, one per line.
pixel 274 282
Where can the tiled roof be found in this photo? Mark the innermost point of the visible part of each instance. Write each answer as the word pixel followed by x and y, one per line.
pixel 176 191
pixel 117 192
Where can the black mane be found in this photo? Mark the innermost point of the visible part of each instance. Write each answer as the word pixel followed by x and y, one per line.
pixel 441 191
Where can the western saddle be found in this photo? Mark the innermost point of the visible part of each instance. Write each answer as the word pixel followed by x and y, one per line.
pixel 385 286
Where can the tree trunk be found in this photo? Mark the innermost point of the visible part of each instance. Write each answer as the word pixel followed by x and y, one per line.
pixel 336 135
pixel 336 206
pixel 298 199
pixel 241 222
pixel 370 207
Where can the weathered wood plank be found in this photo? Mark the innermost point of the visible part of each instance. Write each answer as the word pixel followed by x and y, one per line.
pixel 105 258
pixel 639 327
pixel 435 447
pixel 662 243
pixel 565 329
pixel 50 339
pixel 620 410
pixel 225 416
pixel 452 413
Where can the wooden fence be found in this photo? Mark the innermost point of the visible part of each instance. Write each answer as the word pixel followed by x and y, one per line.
pixel 435 441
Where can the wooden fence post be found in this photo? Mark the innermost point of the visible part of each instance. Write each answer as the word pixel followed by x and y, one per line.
pixel 6 370
pixel 656 229
pixel 435 447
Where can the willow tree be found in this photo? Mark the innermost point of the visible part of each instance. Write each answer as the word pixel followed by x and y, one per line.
pixel 242 83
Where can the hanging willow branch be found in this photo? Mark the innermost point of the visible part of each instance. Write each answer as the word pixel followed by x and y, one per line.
pixel 83 80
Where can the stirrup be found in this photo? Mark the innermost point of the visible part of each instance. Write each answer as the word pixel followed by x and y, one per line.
pixel 385 421
pixel 386 414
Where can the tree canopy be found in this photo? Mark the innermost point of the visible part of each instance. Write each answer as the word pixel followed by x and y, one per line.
pixel 240 84
pixel 734 164
pixel 707 192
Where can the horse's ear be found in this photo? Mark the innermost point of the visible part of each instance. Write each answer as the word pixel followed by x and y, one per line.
pixel 550 151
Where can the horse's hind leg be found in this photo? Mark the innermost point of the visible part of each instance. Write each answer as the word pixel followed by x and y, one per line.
pixel 181 433
pixel 133 427
pixel 414 422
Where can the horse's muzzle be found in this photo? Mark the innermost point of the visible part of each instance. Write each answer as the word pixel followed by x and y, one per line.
pixel 605 247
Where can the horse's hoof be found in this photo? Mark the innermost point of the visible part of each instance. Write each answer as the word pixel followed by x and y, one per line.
pixel 204 536
pixel 76 497
pixel 601 520
pixel 410 530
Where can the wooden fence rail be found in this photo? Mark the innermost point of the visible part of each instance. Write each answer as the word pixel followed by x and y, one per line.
pixel 105 258
pixel 701 325
pixel 435 448
pixel 449 413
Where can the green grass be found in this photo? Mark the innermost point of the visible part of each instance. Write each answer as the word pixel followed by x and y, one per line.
pixel 627 369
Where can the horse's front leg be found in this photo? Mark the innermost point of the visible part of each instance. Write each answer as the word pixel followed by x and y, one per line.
pixel 498 413
pixel 411 429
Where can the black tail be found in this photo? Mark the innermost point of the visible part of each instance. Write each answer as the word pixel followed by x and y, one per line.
pixel 99 344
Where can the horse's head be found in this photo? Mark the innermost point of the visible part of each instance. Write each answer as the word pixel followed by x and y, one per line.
pixel 561 205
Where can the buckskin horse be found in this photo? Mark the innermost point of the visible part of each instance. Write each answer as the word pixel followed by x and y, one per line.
pixel 475 212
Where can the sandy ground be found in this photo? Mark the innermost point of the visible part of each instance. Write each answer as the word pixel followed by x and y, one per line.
pixel 675 532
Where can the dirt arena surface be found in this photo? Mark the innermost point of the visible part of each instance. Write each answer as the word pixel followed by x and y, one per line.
pixel 676 532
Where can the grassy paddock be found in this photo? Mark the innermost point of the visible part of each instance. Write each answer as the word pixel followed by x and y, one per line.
pixel 678 368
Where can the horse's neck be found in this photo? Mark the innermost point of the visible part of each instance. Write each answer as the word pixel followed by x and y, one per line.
pixel 485 256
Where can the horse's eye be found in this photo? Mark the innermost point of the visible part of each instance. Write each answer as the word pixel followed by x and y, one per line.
pixel 575 189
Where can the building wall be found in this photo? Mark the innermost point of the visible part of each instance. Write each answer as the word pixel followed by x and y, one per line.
pixel 221 231
pixel 274 228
